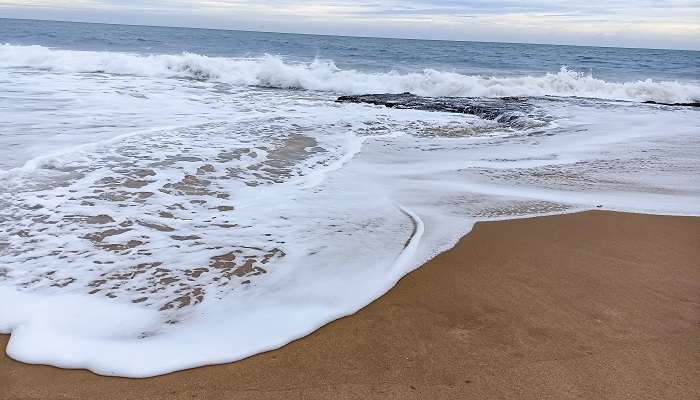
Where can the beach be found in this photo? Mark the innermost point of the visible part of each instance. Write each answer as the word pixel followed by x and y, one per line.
pixel 174 198
pixel 594 305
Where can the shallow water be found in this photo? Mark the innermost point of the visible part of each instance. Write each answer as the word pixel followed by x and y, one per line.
pixel 163 210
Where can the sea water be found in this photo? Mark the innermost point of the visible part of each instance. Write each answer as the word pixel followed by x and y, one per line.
pixel 171 197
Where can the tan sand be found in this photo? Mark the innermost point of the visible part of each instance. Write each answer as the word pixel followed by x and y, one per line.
pixel 588 306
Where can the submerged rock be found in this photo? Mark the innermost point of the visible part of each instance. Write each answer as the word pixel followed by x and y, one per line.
pixel 502 109
pixel 696 104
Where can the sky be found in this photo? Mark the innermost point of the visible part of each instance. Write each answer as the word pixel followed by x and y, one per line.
pixel 625 23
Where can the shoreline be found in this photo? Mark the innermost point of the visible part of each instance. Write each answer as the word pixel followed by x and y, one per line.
pixel 595 304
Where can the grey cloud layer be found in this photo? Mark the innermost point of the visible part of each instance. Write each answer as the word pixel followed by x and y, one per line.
pixel 646 23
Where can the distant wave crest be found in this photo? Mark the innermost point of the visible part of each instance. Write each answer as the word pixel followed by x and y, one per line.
pixel 272 71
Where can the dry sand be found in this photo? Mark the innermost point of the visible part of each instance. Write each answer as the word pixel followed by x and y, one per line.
pixel 587 306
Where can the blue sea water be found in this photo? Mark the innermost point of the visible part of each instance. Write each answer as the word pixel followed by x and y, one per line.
pixel 174 197
pixel 370 54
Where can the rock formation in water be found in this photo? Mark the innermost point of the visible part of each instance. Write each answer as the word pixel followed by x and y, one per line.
pixel 501 109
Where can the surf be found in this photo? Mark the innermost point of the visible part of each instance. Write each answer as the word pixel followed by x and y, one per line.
pixel 274 72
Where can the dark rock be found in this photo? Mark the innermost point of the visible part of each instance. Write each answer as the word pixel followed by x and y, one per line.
pixel 503 109
pixel 673 104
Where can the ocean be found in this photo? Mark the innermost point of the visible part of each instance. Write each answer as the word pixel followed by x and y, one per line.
pixel 174 197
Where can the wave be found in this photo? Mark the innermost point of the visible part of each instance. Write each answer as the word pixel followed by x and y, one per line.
pixel 272 71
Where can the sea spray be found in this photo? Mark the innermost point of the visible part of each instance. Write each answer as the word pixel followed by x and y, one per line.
pixel 274 72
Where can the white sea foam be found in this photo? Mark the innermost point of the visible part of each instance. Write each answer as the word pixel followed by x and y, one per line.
pixel 272 71
pixel 160 224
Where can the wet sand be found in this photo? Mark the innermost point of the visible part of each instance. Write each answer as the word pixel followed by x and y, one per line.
pixel 596 305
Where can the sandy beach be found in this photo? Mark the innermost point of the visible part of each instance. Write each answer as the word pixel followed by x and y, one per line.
pixel 596 305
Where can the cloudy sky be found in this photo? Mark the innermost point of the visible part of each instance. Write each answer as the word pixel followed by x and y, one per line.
pixel 633 23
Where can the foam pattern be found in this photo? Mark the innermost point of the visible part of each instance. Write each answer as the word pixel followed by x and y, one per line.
pixel 151 223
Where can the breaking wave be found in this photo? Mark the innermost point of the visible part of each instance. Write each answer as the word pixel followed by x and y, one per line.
pixel 272 71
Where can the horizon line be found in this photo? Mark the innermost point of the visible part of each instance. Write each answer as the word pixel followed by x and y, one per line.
pixel 346 36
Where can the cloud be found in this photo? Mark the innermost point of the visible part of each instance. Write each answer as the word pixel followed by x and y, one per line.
pixel 643 23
